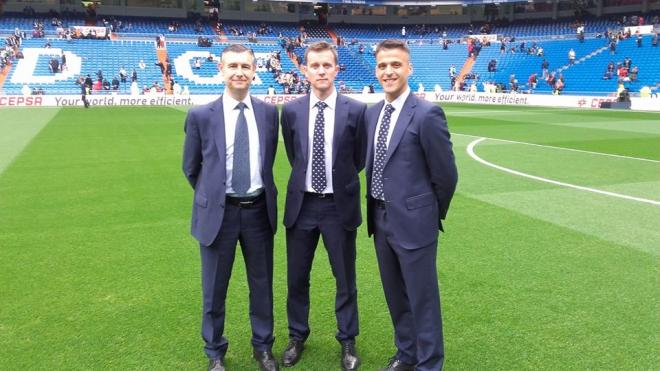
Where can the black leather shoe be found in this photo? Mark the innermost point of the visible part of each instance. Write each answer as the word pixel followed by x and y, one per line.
pixel 266 361
pixel 292 353
pixel 349 358
pixel 398 365
pixel 216 364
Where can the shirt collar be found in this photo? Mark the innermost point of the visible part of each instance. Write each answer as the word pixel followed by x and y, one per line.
pixel 229 102
pixel 400 100
pixel 331 100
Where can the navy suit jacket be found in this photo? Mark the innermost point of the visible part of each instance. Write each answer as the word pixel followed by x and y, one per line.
pixel 204 164
pixel 419 174
pixel 348 150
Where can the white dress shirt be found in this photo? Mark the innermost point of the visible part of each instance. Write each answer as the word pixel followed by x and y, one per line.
pixel 231 116
pixel 329 119
pixel 398 107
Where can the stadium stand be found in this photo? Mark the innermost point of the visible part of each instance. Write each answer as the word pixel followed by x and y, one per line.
pixel 431 61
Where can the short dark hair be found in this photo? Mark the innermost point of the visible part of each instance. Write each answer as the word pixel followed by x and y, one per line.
pixel 320 46
pixel 238 48
pixel 392 44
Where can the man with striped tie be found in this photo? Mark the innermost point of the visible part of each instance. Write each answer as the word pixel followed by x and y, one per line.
pixel 228 159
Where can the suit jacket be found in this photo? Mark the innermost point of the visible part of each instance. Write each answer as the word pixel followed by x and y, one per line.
pixel 204 164
pixel 348 149
pixel 419 174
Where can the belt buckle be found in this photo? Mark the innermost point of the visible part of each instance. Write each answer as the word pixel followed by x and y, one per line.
pixel 322 195
pixel 245 203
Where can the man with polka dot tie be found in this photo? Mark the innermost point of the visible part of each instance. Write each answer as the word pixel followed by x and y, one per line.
pixel 324 136
pixel 411 177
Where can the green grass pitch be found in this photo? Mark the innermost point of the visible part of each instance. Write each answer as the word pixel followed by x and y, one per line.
pixel 98 271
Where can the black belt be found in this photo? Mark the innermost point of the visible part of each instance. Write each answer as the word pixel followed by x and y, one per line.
pixel 379 203
pixel 319 195
pixel 245 201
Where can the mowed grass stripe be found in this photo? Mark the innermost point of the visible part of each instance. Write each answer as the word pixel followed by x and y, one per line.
pixel 518 292
pixel 17 128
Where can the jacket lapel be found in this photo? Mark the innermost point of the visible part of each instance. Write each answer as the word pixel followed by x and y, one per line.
pixel 303 110
pixel 405 117
pixel 260 116
pixel 341 119
pixel 371 132
pixel 218 124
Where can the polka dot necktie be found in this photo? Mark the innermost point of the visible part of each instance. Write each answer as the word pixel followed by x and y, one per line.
pixel 240 174
pixel 319 181
pixel 377 190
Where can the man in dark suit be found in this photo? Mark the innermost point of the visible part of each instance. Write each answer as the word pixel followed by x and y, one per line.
pixel 228 159
pixel 411 177
pixel 324 137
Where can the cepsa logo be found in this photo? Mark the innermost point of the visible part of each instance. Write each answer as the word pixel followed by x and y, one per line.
pixel 595 102
pixel 280 99
pixel 17 101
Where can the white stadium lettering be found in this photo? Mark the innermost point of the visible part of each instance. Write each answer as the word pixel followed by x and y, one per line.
pixel 25 68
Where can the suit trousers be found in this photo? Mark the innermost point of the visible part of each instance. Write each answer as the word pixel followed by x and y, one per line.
pixel 410 282
pixel 319 217
pixel 248 225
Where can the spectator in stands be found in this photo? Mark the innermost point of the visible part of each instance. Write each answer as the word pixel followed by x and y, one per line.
pixel 559 86
pixel 654 42
pixel 98 85
pixel 25 90
pixel 403 32
pixel 63 62
pixel 106 84
pixel 607 75
pixel 531 82
pixel 54 65
pixel 115 83
pixel 571 57
pixel 122 74
pixel 539 51
pixel 627 62
pixel 502 47
pixel 134 76
pixel 452 71
pixel 545 65
pixel 88 81
pixel 142 65
pixel 613 47
pixel 197 63
pixel 420 88
pixel 633 73
pixel 639 39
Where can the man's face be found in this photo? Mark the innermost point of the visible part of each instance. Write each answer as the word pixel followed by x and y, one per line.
pixel 321 70
pixel 237 70
pixel 392 70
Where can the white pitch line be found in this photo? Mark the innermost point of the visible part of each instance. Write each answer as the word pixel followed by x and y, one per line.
pixel 470 151
pixel 563 148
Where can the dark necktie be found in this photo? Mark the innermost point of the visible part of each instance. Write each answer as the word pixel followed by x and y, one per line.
pixel 379 159
pixel 240 175
pixel 319 181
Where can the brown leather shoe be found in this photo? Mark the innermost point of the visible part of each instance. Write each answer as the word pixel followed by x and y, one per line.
pixel 216 364
pixel 398 365
pixel 349 358
pixel 292 353
pixel 266 361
